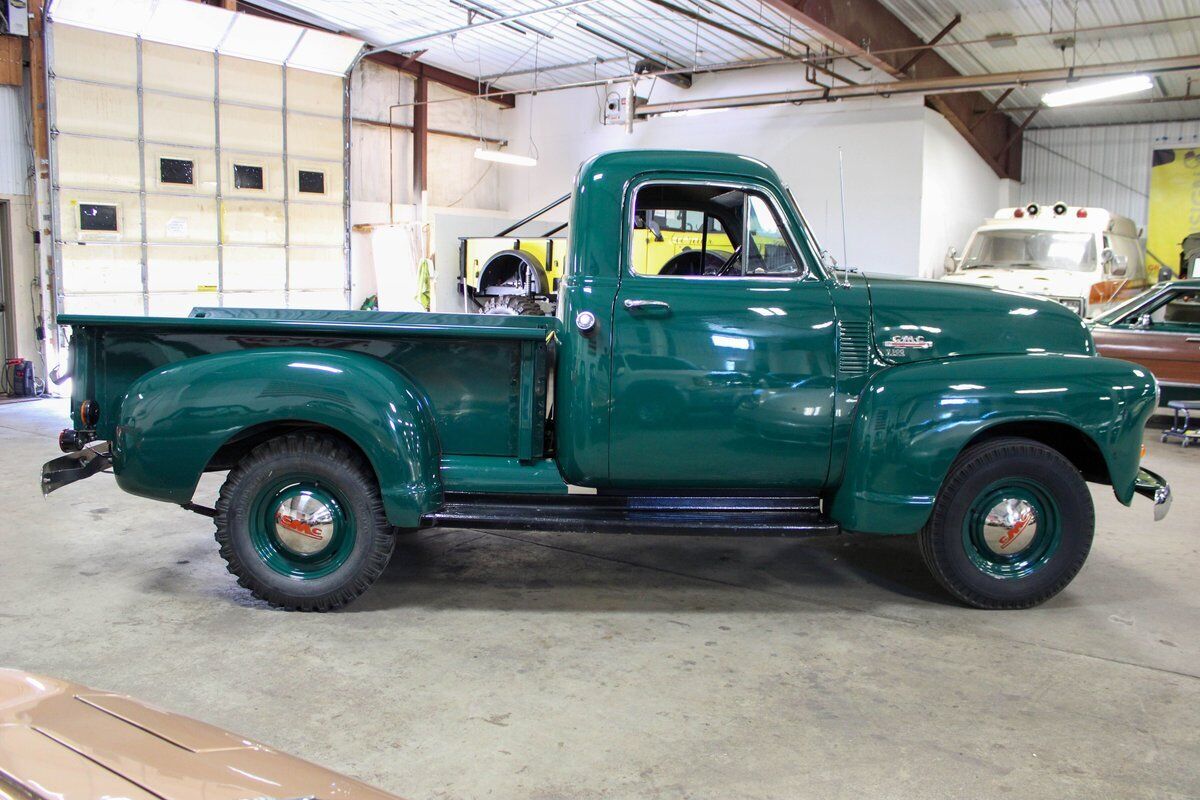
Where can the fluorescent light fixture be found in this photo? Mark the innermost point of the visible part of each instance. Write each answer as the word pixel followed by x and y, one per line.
pixel 1099 90
pixel 501 157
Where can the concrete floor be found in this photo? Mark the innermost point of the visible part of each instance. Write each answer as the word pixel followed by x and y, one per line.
pixel 567 666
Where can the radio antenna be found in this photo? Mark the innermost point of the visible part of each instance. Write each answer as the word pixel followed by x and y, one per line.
pixel 842 200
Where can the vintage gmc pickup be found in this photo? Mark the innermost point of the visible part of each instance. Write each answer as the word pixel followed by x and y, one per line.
pixel 758 391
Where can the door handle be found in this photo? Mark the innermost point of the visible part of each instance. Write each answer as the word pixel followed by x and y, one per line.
pixel 638 305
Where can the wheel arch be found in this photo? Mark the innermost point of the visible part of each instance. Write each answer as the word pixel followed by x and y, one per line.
pixel 1069 441
pixel 504 265
pixel 914 420
pixel 201 414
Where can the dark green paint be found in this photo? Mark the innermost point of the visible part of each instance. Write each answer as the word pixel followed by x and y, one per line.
pixel 708 396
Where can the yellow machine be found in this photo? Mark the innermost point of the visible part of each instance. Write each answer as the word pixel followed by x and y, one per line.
pixel 504 274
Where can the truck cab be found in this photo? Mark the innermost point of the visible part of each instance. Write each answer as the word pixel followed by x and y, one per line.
pixel 1087 259
pixel 741 386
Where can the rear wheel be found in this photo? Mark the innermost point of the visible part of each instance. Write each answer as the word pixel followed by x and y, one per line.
pixel 300 522
pixel 513 305
pixel 1011 527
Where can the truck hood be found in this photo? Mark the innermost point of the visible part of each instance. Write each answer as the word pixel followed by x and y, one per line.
pixel 1054 282
pixel 920 320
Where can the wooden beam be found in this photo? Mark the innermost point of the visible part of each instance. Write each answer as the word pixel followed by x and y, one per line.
pixel 37 93
pixel 12 60
pixel 444 77
pixel 420 150
pixel 1020 130
pixel 862 27
pixel 992 108
pixel 917 56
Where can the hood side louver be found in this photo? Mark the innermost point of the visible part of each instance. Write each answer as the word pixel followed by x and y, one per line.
pixel 854 348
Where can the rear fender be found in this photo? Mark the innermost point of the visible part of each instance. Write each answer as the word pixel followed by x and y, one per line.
pixel 175 418
pixel 912 421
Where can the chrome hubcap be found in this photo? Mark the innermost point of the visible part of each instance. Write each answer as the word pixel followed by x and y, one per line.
pixel 1010 526
pixel 303 524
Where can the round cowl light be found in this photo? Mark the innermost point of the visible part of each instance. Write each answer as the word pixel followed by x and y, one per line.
pixel 1032 209
pixel 1081 213
pixel 1018 213
pixel 1060 208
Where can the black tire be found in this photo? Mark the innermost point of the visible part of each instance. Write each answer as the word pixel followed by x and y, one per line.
pixel 360 539
pixel 513 305
pixel 978 575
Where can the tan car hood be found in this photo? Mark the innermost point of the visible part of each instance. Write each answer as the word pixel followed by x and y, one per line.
pixel 62 740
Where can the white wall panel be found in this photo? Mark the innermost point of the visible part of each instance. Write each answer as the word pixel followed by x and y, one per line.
pixel 314 93
pixel 313 224
pixel 255 269
pixel 204 170
pixel 129 217
pixel 254 82
pixel 173 268
pixel 178 120
pixel 315 137
pixel 316 268
pixel 84 162
pixel 178 69
pixel 181 219
pixel 14 154
pixel 96 110
pixel 252 222
pixel 80 53
pixel 1107 167
pixel 100 268
pixel 273 179
pixel 256 129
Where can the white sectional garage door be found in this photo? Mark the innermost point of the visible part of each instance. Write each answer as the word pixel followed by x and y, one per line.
pixel 189 176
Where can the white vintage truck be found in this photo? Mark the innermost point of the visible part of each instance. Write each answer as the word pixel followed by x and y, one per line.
pixel 1086 258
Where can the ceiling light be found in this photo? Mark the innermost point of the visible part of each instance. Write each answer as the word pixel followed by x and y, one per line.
pixel 1001 40
pixel 1100 90
pixel 501 157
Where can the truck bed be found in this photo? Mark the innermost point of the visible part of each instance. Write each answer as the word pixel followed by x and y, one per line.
pixel 485 376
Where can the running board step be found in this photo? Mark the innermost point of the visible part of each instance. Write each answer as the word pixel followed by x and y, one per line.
pixel 686 516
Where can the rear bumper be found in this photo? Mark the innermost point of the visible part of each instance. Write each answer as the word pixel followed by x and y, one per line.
pixel 1155 487
pixel 72 467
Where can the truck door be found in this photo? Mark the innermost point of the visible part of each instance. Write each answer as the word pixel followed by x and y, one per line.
pixel 723 355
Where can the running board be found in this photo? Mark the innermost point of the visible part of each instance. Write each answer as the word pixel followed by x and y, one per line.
pixel 685 516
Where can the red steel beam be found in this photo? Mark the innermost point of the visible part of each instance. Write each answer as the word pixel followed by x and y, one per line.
pixel 864 26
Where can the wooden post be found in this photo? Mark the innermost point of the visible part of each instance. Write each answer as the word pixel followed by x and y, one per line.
pixel 420 151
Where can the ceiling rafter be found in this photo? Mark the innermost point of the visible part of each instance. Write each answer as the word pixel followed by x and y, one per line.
pixel 867 26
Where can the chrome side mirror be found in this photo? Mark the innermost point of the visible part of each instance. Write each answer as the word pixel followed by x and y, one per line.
pixel 951 262
pixel 1144 321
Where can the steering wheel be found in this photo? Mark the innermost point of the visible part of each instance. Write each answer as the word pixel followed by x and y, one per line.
pixel 688 263
pixel 729 263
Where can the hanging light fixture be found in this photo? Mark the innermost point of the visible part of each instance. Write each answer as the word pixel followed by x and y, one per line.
pixel 1098 90
pixel 501 157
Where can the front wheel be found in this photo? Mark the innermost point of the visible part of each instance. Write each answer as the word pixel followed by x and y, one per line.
pixel 300 522
pixel 1011 527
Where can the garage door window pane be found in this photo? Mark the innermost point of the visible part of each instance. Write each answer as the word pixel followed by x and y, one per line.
pixel 247 177
pixel 97 217
pixel 175 170
pixel 312 182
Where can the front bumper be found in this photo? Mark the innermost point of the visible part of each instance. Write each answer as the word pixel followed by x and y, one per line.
pixel 1152 485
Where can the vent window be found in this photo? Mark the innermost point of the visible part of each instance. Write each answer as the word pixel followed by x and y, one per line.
pixel 246 176
pixel 176 170
pixel 97 217
pixel 312 182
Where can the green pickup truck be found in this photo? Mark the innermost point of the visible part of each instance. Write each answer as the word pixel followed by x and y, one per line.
pixel 755 392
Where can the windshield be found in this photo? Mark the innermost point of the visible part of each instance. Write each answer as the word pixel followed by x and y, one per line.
pixel 1026 249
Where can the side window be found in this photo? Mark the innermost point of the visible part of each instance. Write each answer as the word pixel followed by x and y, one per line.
pixel 706 231
pixel 769 252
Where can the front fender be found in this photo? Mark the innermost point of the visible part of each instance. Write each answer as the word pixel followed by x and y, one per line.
pixel 175 418
pixel 912 421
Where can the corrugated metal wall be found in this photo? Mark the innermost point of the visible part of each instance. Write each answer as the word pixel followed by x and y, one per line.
pixel 1107 167
pixel 14 154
